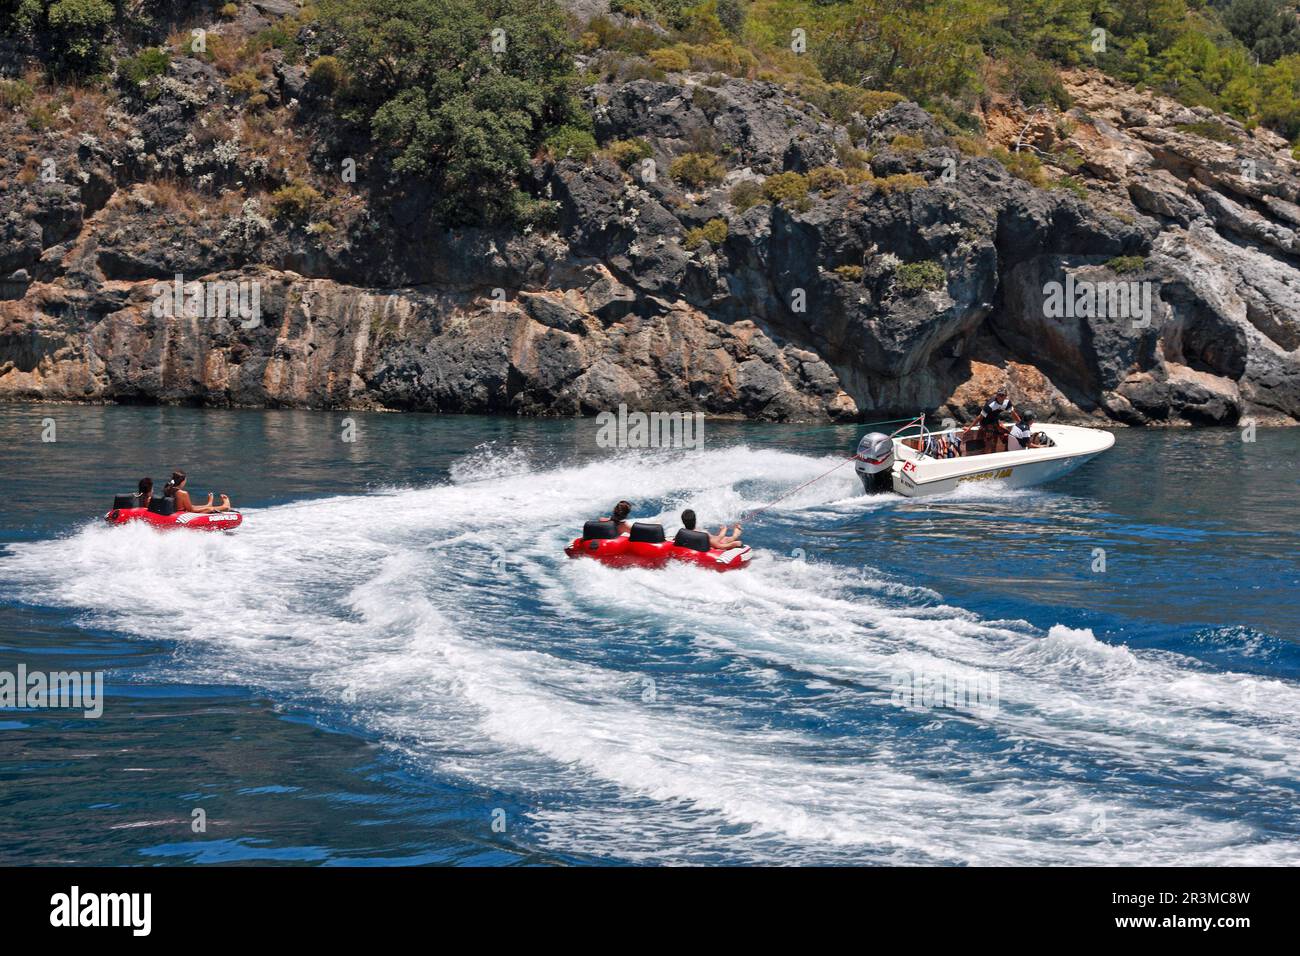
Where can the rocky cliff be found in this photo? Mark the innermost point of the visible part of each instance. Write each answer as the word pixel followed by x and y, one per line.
pixel 904 267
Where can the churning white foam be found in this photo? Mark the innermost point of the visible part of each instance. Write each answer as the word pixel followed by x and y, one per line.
pixel 681 714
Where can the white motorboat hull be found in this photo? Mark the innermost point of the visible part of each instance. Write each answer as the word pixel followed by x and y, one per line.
pixel 916 475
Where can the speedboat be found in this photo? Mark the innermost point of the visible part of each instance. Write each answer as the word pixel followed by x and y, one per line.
pixel 916 466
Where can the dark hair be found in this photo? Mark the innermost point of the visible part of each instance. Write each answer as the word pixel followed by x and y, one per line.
pixel 145 487
pixel 178 478
pixel 688 519
pixel 621 510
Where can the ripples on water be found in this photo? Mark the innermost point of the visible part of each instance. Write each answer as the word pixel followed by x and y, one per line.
pixel 393 646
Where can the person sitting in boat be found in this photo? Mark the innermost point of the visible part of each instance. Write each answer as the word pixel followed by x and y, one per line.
pixel 145 492
pixel 942 445
pixel 619 517
pixel 1022 433
pixel 952 446
pixel 176 489
pixel 720 541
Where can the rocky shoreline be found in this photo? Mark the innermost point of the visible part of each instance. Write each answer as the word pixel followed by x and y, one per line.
pixel 906 270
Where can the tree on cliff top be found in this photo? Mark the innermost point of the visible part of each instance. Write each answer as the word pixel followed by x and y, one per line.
pixel 461 93
pixel 71 32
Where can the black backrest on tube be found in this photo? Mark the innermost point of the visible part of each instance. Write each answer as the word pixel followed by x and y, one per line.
pixel 647 533
pixel 695 540
pixel 599 531
pixel 162 506
pixel 125 501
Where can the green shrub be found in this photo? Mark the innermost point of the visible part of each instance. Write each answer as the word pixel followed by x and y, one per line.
pixel 850 157
pixel 697 169
pixel 77 29
pixel 526 210
pixel 326 73
pixel 144 66
pixel 849 273
pixel 786 187
pixel 914 277
pixel 1127 264
pixel 297 200
pixel 629 8
pixel 628 152
pixel 826 179
pixel 244 83
pixel 721 56
pixel 230 11
pixel 1072 185
pixel 1023 165
pixel 41 118
pixel 970 146
pixel 731 16
pixel 746 194
pixel 1033 82
pixel 907 143
pixel 1279 95
pixel 714 232
pixel 706 99
pixel 1069 159
pixel 450 111
pixel 15 94
pixel 672 59
pixel 900 182
pixel 840 101
pixel 604 33
pixel 569 142
pixel 282 36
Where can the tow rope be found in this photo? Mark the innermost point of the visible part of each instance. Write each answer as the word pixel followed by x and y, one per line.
pixel 753 511
pixel 854 457
pixel 746 515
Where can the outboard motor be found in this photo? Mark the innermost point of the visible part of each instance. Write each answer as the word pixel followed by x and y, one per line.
pixel 875 463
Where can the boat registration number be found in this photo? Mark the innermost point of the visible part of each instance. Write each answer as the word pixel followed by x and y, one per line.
pixel 988 475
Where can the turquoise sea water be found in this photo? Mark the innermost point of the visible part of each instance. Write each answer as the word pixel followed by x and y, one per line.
pixel 392 661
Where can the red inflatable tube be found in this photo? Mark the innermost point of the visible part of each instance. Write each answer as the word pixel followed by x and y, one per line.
pixel 210 521
pixel 621 552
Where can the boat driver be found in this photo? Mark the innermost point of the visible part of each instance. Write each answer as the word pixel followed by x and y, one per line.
pixel 1022 433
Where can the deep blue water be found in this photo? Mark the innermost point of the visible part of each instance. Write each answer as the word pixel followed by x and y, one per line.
pixel 393 652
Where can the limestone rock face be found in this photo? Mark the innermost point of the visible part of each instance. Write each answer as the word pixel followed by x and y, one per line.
pixel 320 344
pixel 912 276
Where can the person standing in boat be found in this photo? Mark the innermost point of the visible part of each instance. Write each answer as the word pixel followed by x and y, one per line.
pixel 989 421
